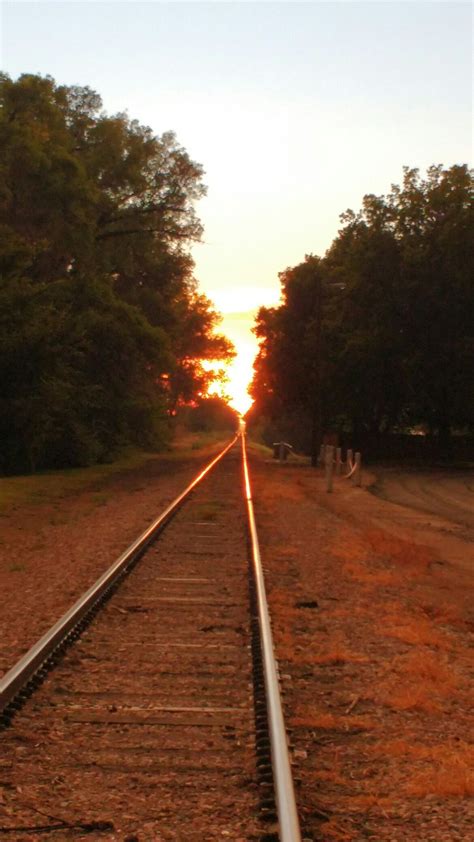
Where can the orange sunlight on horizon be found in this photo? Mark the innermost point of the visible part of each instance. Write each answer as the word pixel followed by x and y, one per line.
pixel 237 326
pixel 239 372
pixel 238 376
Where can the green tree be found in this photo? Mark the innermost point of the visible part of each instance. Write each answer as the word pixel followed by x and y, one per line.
pixel 96 216
pixel 289 366
pixel 368 329
pixel 47 202
pixel 390 343
pixel 79 374
pixel 434 224
pixel 211 413
pixel 406 327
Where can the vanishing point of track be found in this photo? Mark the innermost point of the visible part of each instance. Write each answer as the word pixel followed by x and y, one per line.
pixel 163 720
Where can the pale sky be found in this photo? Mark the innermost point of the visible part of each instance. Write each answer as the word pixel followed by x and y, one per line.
pixel 295 110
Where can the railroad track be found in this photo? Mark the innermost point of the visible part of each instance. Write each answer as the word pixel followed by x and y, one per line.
pixel 161 719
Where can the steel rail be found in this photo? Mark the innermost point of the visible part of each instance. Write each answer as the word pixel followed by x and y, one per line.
pixel 18 676
pixel 289 828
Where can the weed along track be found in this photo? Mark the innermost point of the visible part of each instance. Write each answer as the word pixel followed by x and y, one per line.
pixel 158 723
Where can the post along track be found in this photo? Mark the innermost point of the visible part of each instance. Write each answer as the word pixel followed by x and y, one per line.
pixel 163 721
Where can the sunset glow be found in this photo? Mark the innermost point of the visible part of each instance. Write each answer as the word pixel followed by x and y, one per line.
pixel 239 374
pixel 237 326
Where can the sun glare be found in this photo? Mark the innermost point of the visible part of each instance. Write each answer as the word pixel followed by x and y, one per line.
pixel 237 326
pixel 238 375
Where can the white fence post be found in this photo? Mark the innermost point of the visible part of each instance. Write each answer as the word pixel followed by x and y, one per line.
pixel 338 461
pixel 358 469
pixel 329 458
pixel 349 461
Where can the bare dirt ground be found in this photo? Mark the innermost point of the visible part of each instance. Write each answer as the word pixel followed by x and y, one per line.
pixel 373 617
pixel 448 495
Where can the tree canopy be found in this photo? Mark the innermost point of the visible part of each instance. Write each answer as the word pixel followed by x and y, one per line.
pixel 379 334
pixel 103 331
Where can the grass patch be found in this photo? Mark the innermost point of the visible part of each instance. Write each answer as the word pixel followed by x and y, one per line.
pixel 186 444
pixel 448 770
pixel 454 779
pixel 259 449
pixel 416 631
pixel 419 681
pixel 46 486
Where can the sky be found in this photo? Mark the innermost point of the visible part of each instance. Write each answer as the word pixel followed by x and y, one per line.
pixel 294 109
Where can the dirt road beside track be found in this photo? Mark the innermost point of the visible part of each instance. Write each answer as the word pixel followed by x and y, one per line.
pixel 447 494
pixel 373 617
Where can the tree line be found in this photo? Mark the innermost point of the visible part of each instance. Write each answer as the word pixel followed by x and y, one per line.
pixel 102 328
pixel 378 335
